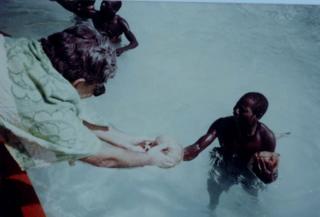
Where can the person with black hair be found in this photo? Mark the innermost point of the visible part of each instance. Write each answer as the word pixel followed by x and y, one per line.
pixel 106 20
pixel 247 149
pixel 41 86
pixel 112 25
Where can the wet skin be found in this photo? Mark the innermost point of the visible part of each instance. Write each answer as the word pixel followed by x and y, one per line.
pixel 113 26
pixel 105 20
pixel 241 138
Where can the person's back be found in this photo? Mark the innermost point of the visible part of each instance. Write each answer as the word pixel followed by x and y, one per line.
pixel 41 105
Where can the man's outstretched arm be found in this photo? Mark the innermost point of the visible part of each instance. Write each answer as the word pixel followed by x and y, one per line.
pixel 192 151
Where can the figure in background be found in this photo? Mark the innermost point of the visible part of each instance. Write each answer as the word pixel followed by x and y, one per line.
pixel 106 20
pixel 81 8
pixel 109 23
pixel 246 154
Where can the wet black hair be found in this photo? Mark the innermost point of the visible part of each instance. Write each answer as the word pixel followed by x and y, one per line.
pixel 260 103
pixel 80 52
pixel 116 5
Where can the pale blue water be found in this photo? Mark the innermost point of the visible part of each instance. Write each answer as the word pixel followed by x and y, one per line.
pixel 194 61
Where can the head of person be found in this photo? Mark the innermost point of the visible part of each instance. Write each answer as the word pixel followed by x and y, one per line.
pixel 83 57
pixel 250 108
pixel 109 8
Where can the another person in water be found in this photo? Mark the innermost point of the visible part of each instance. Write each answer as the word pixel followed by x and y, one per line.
pixel 109 23
pixel 106 20
pixel 246 149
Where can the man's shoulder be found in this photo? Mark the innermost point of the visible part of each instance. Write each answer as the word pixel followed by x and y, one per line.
pixel 265 131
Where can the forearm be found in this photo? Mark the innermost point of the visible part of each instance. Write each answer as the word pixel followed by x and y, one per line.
pixel 114 136
pixel 192 151
pixel 133 43
pixel 128 47
pixel 119 158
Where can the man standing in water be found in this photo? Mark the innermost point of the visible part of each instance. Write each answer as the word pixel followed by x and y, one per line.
pixel 106 20
pixel 113 25
pixel 246 149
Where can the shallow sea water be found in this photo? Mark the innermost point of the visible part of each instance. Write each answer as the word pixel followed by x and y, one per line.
pixel 193 62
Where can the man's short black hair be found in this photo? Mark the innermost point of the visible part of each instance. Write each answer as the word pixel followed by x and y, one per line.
pixel 115 4
pixel 81 52
pixel 260 103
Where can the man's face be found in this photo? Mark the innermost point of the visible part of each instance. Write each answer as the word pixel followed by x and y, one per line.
pixel 244 112
pixel 109 8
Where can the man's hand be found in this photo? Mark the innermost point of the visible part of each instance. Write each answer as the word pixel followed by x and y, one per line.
pixel 265 165
pixel 191 152
pixel 267 161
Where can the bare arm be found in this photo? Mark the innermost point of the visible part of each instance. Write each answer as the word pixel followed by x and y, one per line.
pixel 113 157
pixel 192 151
pixel 120 151
pixel 116 157
pixel 117 138
pixel 133 43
